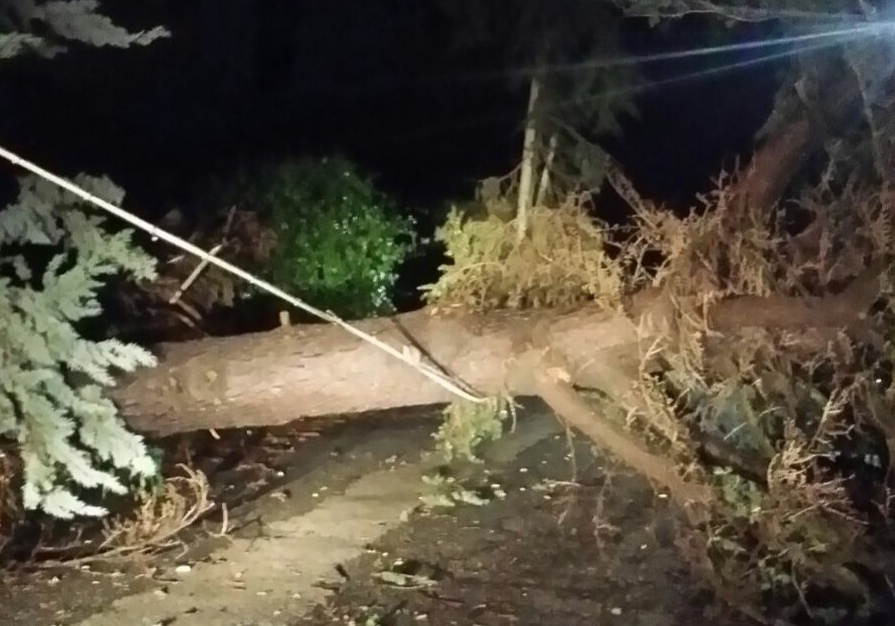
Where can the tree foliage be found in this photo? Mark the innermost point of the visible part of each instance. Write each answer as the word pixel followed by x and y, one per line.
pixel 563 262
pixel 47 28
pixel 339 241
pixel 51 377
pixel 72 443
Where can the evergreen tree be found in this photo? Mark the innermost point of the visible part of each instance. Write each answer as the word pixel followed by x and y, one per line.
pixel 69 435
pixel 62 22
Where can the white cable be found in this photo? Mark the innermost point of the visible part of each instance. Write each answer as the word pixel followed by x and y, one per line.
pixel 407 354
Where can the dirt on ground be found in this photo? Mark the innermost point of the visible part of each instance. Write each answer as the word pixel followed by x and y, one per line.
pixel 335 533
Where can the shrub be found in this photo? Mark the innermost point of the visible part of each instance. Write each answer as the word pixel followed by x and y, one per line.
pixel 339 240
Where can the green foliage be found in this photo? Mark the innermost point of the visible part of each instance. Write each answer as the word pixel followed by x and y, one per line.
pixel 51 378
pixel 63 20
pixel 339 240
pixel 467 425
pixel 562 262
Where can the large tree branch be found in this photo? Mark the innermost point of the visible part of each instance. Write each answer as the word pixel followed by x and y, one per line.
pixel 550 383
pixel 314 370
pixel 794 140
pixel 846 309
pixel 273 378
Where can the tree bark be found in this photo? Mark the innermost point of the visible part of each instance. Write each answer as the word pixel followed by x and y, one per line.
pixel 526 174
pixel 544 184
pixel 314 370
pixel 275 377
pixel 800 135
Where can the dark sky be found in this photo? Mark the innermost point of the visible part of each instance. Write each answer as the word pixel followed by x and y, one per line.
pixel 243 80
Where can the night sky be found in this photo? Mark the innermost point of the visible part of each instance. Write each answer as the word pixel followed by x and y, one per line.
pixel 375 79
pixel 380 81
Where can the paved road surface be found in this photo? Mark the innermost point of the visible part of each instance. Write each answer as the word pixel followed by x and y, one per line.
pixel 310 552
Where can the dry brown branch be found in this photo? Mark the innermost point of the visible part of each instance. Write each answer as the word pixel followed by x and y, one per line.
pixel 553 386
pixel 151 527
pixel 184 292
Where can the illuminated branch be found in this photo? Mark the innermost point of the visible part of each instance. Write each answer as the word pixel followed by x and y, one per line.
pixel 680 8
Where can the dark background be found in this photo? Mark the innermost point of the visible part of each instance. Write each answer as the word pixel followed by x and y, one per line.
pixel 378 80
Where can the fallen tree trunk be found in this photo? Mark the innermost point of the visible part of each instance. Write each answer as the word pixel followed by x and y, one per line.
pixel 272 378
pixel 315 370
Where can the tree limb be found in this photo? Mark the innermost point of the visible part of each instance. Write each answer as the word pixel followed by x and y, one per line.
pixel 551 385
pixel 315 370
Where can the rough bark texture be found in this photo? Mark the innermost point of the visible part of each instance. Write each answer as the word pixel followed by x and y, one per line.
pixel 303 371
pixel 315 370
